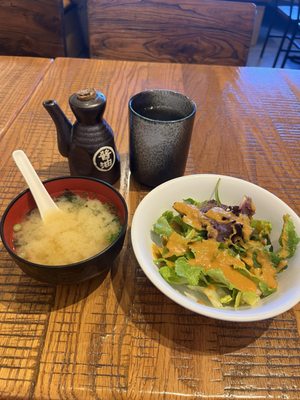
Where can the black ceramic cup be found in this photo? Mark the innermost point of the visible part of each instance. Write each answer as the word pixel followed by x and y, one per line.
pixel 160 129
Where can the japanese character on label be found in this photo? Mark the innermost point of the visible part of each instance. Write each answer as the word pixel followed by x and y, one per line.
pixel 106 164
pixel 105 154
pixel 104 158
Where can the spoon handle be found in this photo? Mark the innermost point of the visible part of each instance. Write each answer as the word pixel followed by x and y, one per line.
pixel 41 196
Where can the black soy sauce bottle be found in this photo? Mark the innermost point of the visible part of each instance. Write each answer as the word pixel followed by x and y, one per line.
pixel 89 143
pixel 92 150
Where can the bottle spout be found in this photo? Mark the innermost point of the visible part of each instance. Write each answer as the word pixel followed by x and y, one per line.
pixel 63 126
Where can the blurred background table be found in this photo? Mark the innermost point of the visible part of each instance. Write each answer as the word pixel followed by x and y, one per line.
pixel 118 337
pixel 19 77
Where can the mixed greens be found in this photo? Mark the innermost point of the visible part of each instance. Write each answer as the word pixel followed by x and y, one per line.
pixel 220 253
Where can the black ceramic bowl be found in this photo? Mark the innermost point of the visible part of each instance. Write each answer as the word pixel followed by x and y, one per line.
pixel 79 271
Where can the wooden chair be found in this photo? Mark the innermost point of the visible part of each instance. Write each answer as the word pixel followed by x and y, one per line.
pixel 31 27
pixel 43 28
pixel 186 31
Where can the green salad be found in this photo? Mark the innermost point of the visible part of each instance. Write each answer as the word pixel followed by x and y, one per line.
pixel 221 253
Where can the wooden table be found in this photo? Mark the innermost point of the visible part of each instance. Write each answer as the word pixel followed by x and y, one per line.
pixel 119 337
pixel 19 77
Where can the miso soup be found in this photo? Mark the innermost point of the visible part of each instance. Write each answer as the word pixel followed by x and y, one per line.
pixel 84 228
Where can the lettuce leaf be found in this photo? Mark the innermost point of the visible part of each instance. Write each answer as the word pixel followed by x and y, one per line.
pixel 265 289
pixel 262 227
pixel 171 277
pixel 288 239
pixel 238 299
pixel 192 201
pixel 218 276
pixel 262 285
pixel 216 192
pixel 193 275
pixel 162 227
pixel 212 294
pixel 249 298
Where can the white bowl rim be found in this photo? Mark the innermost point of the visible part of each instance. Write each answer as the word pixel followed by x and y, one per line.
pixel 226 314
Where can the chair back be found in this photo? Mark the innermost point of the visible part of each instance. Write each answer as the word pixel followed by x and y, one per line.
pixel 185 31
pixel 32 28
pixel 290 8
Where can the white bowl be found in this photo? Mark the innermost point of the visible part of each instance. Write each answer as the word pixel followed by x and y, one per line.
pixel 231 191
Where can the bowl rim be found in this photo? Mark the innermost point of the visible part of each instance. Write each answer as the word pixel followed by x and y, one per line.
pixel 78 263
pixel 225 314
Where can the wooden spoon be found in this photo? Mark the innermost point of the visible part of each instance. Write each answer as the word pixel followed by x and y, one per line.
pixel 42 198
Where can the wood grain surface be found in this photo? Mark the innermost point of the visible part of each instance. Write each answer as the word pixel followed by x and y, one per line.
pixel 19 77
pixel 117 336
pixel 32 28
pixel 186 31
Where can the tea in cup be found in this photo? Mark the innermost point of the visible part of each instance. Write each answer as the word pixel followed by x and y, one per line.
pixel 160 129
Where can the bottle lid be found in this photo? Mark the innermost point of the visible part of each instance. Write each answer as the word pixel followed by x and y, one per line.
pixel 86 94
